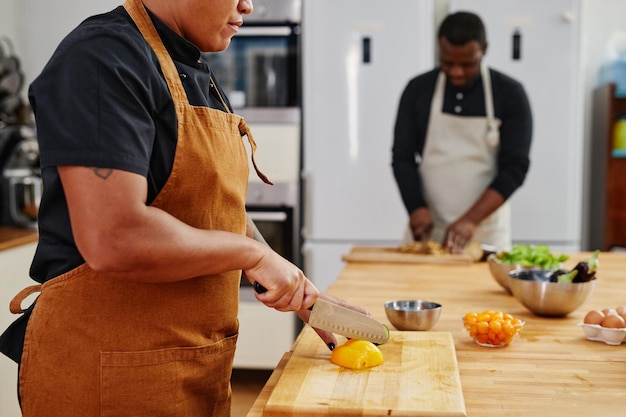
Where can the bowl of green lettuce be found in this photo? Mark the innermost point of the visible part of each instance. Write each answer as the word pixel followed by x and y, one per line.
pixel 522 256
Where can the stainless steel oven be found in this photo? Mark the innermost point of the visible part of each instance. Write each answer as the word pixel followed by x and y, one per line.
pixel 274 212
pixel 260 73
pixel 264 333
pixel 260 70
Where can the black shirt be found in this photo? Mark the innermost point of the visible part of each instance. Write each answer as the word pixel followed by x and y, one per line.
pixel 511 106
pixel 102 101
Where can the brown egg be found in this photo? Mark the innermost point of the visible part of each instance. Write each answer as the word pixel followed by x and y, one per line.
pixel 614 322
pixel 621 310
pixel 594 317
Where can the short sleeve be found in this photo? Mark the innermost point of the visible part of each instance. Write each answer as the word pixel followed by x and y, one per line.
pixel 95 100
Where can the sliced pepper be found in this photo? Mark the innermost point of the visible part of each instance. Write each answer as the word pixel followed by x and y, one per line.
pixel 357 354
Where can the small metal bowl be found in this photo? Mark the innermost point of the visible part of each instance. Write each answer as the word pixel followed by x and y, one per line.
pixel 534 290
pixel 412 314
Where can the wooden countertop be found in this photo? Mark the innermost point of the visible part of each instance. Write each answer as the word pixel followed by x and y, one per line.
pixel 11 237
pixel 549 370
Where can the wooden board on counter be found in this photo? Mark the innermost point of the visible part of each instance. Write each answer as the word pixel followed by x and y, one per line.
pixel 11 237
pixel 419 377
pixel 393 255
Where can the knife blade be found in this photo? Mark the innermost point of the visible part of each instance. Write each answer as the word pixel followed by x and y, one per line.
pixel 338 319
pixel 326 315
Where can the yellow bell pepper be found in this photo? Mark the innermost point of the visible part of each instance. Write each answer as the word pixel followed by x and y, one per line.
pixel 357 354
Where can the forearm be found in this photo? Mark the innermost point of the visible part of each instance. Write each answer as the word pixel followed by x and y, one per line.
pixel 157 247
pixel 409 185
pixel 486 204
pixel 117 233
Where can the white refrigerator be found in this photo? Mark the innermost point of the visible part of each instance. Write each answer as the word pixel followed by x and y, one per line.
pixel 357 58
pixel 555 49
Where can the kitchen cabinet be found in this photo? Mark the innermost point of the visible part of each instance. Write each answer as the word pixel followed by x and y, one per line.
pixel 608 191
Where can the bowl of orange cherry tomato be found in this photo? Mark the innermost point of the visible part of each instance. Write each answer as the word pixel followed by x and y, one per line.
pixel 492 328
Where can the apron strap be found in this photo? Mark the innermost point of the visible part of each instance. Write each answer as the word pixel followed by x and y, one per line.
pixel 484 70
pixel 16 303
pixel 493 124
pixel 137 11
pixel 245 130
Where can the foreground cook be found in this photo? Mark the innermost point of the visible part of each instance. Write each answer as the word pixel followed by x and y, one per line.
pixel 142 221
pixel 461 143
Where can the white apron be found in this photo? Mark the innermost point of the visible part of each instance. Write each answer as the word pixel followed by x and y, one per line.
pixel 459 161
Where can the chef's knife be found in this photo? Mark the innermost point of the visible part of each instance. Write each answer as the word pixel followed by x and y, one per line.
pixel 326 315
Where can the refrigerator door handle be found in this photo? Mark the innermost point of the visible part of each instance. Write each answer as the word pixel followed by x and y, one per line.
pixel 367 49
pixel 517 45
pixel 305 178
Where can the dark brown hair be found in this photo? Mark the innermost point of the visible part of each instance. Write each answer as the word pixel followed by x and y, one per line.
pixel 462 27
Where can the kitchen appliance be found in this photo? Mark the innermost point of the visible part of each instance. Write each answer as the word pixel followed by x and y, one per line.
pixel 357 58
pixel 560 53
pixel 419 377
pixel 260 72
pixel 264 333
pixel 21 176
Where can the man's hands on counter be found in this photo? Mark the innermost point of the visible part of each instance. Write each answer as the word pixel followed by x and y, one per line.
pixel 421 224
pixel 458 235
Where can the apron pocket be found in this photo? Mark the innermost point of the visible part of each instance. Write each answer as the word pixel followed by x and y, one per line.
pixel 171 382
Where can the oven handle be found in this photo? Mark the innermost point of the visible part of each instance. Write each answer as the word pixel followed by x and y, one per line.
pixel 268 216
pixel 265 31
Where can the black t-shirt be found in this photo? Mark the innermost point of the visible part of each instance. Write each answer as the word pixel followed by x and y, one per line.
pixel 102 101
pixel 511 106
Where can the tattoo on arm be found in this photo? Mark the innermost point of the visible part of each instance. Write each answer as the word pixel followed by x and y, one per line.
pixel 103 173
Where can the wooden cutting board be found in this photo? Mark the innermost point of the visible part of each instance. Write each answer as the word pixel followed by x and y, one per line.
pixel 392 254
pixel 419 377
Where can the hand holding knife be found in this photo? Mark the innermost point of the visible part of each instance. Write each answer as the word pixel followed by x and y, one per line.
pixel 328 315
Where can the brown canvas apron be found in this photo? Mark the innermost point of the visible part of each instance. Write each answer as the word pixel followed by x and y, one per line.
pixel 96 346
pixel 459 163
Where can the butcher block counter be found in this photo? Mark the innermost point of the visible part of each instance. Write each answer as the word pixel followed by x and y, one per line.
pixel 549 370
pixel 11 237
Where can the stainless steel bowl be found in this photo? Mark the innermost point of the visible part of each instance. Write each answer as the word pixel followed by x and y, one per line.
pixel 412 314
pixel 534 290
pixel 500 271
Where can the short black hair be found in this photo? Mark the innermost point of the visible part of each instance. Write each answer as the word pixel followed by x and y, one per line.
pixel 462 27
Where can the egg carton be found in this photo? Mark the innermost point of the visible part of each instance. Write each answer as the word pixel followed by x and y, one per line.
pixel 607 335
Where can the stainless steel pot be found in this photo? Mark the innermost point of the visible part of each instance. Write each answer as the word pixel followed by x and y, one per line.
pixel 24 199
pixel 21 177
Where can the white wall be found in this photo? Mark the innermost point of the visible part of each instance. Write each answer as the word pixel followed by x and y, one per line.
pixel 8 24
pixel 42 24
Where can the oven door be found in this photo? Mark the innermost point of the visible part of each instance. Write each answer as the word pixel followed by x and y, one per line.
pixel 260 68
pixel 264 333
pixel 276 225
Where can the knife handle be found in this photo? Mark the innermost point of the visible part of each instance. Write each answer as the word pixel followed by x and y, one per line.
pixel 261 289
